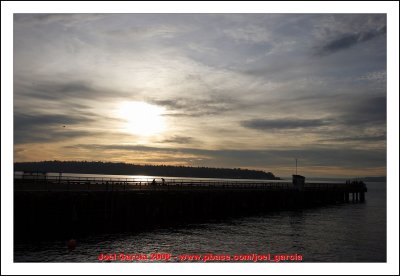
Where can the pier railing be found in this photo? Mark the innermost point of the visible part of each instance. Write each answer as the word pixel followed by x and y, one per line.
pixel 73 183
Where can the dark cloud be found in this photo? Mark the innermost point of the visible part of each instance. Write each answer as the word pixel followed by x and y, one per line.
pixel 30 128
pixel 349 40
pixel 38 120
pixel 178 140
pixel 364 111
pixel 268 124
pixel 356 138
pixel 63 90
pixel 193 107
pixel 345 111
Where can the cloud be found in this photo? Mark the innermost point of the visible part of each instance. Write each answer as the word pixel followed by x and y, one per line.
pixel 268 124
pixel 138 33
pixel 30 128
pixel 194 107
pixel 219 76
pixel 39 120
pixel 364 111
pixel 249 34
pixel 348 40
pixel 62 90
pixel 66 19
pixel 178 140
pixel 356 138
pixel 40 135
pixel 121 147
pixel 318 156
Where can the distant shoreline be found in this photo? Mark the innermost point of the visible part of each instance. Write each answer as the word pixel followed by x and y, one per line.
pixel 83 167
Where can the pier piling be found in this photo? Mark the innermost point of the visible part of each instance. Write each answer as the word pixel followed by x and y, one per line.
pixel 74 207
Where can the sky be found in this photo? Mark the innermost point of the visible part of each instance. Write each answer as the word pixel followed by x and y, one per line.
pixel 252 91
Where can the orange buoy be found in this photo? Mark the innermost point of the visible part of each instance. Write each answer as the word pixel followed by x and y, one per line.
pixel 71 244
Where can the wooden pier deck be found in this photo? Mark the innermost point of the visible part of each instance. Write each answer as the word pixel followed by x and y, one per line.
pixel 68 183
pixel 72 206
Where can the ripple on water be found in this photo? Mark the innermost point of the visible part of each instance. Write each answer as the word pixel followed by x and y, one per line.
pixel 339 233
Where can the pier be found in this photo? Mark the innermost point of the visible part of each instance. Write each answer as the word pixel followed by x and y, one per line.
pixel 65 207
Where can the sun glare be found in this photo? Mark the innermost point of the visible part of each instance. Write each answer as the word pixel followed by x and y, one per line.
pixel 142 118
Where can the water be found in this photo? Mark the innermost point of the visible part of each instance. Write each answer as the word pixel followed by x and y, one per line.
pixel 337 233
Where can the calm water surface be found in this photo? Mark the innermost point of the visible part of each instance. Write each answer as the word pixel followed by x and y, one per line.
pixel 338 233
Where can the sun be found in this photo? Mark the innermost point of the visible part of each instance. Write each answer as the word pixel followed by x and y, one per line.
pixel 142 118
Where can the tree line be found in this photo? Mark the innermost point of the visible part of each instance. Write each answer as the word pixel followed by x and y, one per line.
pixel 89 167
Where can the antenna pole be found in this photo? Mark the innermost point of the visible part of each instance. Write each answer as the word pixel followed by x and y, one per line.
pixel 296 166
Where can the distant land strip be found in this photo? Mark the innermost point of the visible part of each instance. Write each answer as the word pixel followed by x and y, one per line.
pixel 89 167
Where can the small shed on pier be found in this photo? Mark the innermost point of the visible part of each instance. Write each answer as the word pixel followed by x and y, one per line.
pixel 298 181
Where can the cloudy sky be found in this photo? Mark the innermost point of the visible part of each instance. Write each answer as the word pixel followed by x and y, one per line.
pixel 219 90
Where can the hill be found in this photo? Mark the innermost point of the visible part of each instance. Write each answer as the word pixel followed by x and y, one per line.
pixel 133 169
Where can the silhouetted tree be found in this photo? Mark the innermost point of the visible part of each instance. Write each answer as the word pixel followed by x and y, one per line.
pixel 133 169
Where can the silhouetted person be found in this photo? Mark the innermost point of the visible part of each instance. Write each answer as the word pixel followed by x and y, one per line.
pixel 154 183
pixel 163 181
